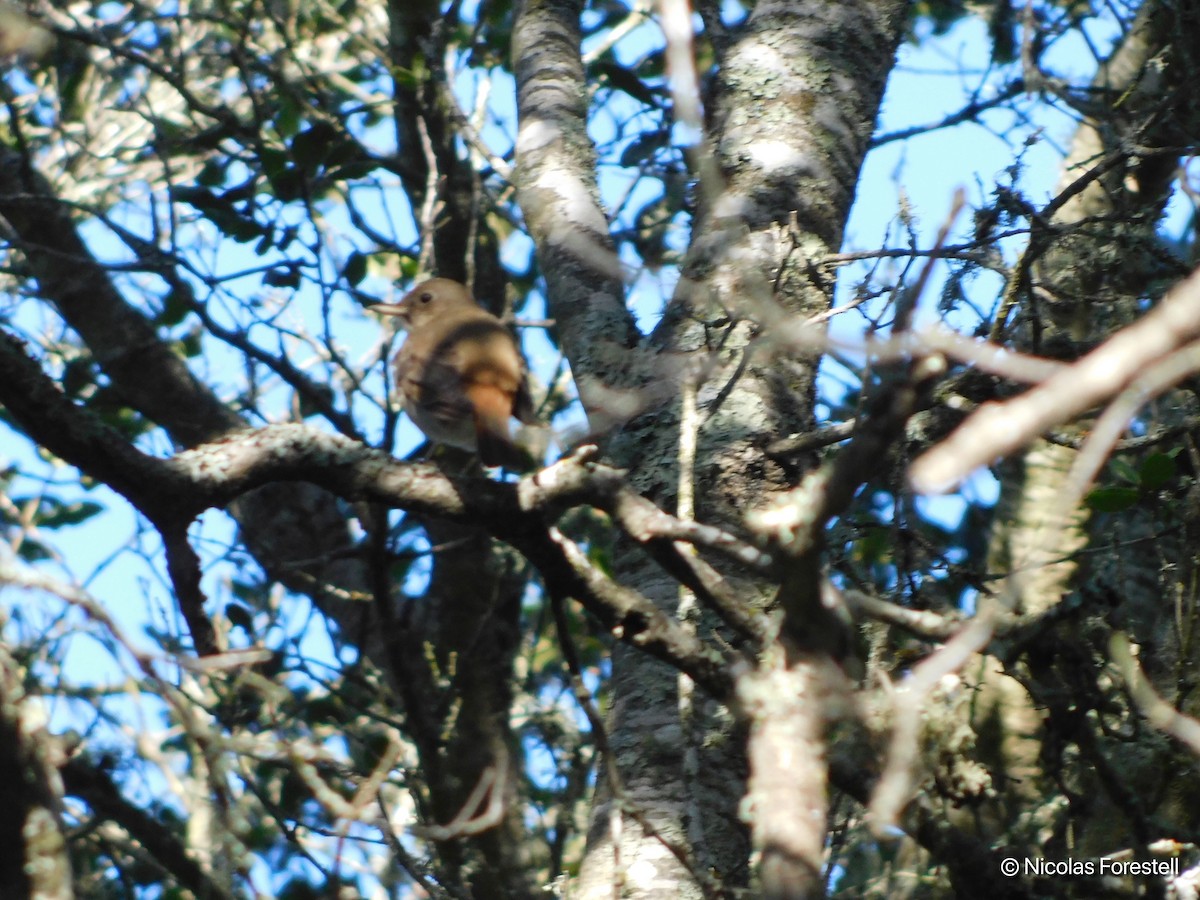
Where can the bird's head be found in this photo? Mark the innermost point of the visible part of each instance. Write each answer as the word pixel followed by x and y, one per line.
pixel 429 300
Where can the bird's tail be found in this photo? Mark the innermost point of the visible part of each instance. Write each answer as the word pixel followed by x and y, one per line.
pixel 493 408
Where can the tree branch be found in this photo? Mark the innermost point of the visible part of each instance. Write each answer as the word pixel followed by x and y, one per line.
pixel 556 187
pixel 94 787
pixel 997 429
pixel 172 492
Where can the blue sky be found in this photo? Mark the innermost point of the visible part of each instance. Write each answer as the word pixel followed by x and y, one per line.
pixel 116 559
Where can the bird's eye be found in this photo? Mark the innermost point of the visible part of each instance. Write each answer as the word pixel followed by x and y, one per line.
pixel 426 297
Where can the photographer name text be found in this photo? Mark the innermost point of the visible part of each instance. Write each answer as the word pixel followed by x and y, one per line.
pixel 1105 867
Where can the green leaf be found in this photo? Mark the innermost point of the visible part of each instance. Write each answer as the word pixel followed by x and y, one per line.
pixel 212 173
pixel 288 185
pixel 176 305
pixel 1124 471
pixel 199 197
pixel 192 343
pixel 274 161
pixel 32 551
pixel 240 616
pixel 63 514
pixel 311 148
pixel 220 211
pixel 265 243
pixel 287 121
pixel 344 150
pixel 1157 470
pixel 289 235
pixel 284 277
pixel 360 168
pixel 356 268
pixel 623 79
pixel 238 227
pixel 654 64
pixel 600 558
pixel 405 78
pixel 1112 499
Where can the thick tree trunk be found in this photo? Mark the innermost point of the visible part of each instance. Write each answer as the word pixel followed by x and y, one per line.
pixel 797 99
pixel 1082 280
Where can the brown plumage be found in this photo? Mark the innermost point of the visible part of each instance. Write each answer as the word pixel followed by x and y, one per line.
pixel 460 373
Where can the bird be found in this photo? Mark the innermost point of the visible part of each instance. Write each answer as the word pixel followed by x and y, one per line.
pixel 460 373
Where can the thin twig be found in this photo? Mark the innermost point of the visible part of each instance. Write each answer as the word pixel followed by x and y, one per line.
pixel 466 823
pixel 997 429
pixel 894 788
pixel 1158 712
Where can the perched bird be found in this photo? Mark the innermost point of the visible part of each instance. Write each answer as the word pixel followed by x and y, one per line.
pixel 460 373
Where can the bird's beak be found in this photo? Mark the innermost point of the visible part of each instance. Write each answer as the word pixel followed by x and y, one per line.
pixel 391 309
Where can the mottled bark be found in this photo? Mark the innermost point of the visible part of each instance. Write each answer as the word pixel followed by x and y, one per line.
pixel 464 247
pixel 794 110
pixel 1081 279
pixel 34 863
pixel 298 533
pixel 556 187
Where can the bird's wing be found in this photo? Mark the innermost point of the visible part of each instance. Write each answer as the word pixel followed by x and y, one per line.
pixel 484 351
pixel 523 407
pixel 488 353
pixel 431 382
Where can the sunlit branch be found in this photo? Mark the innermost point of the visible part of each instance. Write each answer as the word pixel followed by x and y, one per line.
pixel 998 429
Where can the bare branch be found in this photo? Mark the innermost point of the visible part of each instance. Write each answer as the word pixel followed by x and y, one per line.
pixel 489 787
pixel 968 113
pixel 96 788
pixel 923 622
pixel 894 789
pixel 998 429
pixel 1158 712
